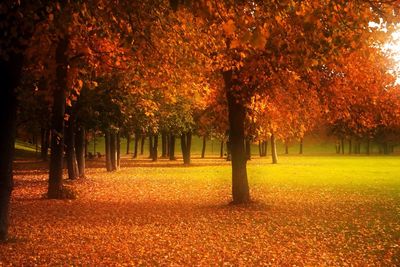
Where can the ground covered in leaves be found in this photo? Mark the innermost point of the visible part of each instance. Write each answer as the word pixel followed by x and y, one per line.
pixel 306 211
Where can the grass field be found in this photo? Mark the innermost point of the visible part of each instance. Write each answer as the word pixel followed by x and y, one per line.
pixel 307 210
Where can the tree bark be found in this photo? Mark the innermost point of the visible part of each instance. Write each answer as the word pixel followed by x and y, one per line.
pixel 44 144
pixel 150 146
pixel 143 138
pixel 350 147
pixel 228 151
pixel 265 147
pixel 368 146
pixel 342 145
pixel 221 150
pixel 113 150
pixel 135 152
pixel 108 150
pixel 80 150
pixel 9 80
pixel 94 142
pixel 274 152
pixel 154 148
pixel 203 148
pixel 236 114
pixel 248 149
pixel 72 163
pixel 128 143
pixel 164 144
pixel 118 152
pixel 55 189
pixel 260 149
pixel 286 148
pixel 186 143
pixel 172 147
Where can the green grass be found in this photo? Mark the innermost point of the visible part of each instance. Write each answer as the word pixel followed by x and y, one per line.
pixel 25 150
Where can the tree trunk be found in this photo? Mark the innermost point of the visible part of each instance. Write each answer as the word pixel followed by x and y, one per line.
pixel 72 163
pixel 186 143
pixel 80 150
pixel 167 144
pixel 108 150
pixel 172 147
pixel 274 153
pixel 128 143
pixel 350 147
pixel 118 152
pixel 221 150
pixel 265 147
pixel 228 151
pixel 301 146
pixel 44 144
pixel 151 146
pixel 155 148
pixel 142 144
pixel 55 189
pixel 9 80
pixel 248 150
pixel 237 114
pixel 203 148
pixel 137 134
pixel 286 148
pixel 94 143
pixel 164 144
pixel 260 152
pixel 342 145
pixel 113 150
pixel 368 146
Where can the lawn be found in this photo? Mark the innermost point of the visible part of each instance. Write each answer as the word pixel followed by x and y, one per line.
pixel 307 210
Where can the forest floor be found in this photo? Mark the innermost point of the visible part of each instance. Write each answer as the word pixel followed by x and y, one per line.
pixel 307 210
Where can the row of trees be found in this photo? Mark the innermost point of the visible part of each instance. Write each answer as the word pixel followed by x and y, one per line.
pixel 243 70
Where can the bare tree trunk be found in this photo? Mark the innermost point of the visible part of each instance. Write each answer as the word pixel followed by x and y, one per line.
pixel 128 143
pixel 9 79
pixel 342 145
pixel 186 143
pixel 94 142
pixel 203 149
pixel 172 147
pixel 248 149
pixel 368 146
pixel 154 148
pixel 55 189
pixel 221 151
pixel 151 146
pixel 72 163
pixel 113 150
pixel 80 150
pixel 118 147
pixel 108 151
pixel 142 144
pixel 274 152
pixel 237 115
pixel 260 152
pixel 164 144
pixel 44 144
pixel 286 147
pixel 265 146
pixel 350 147
pixel 137 135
